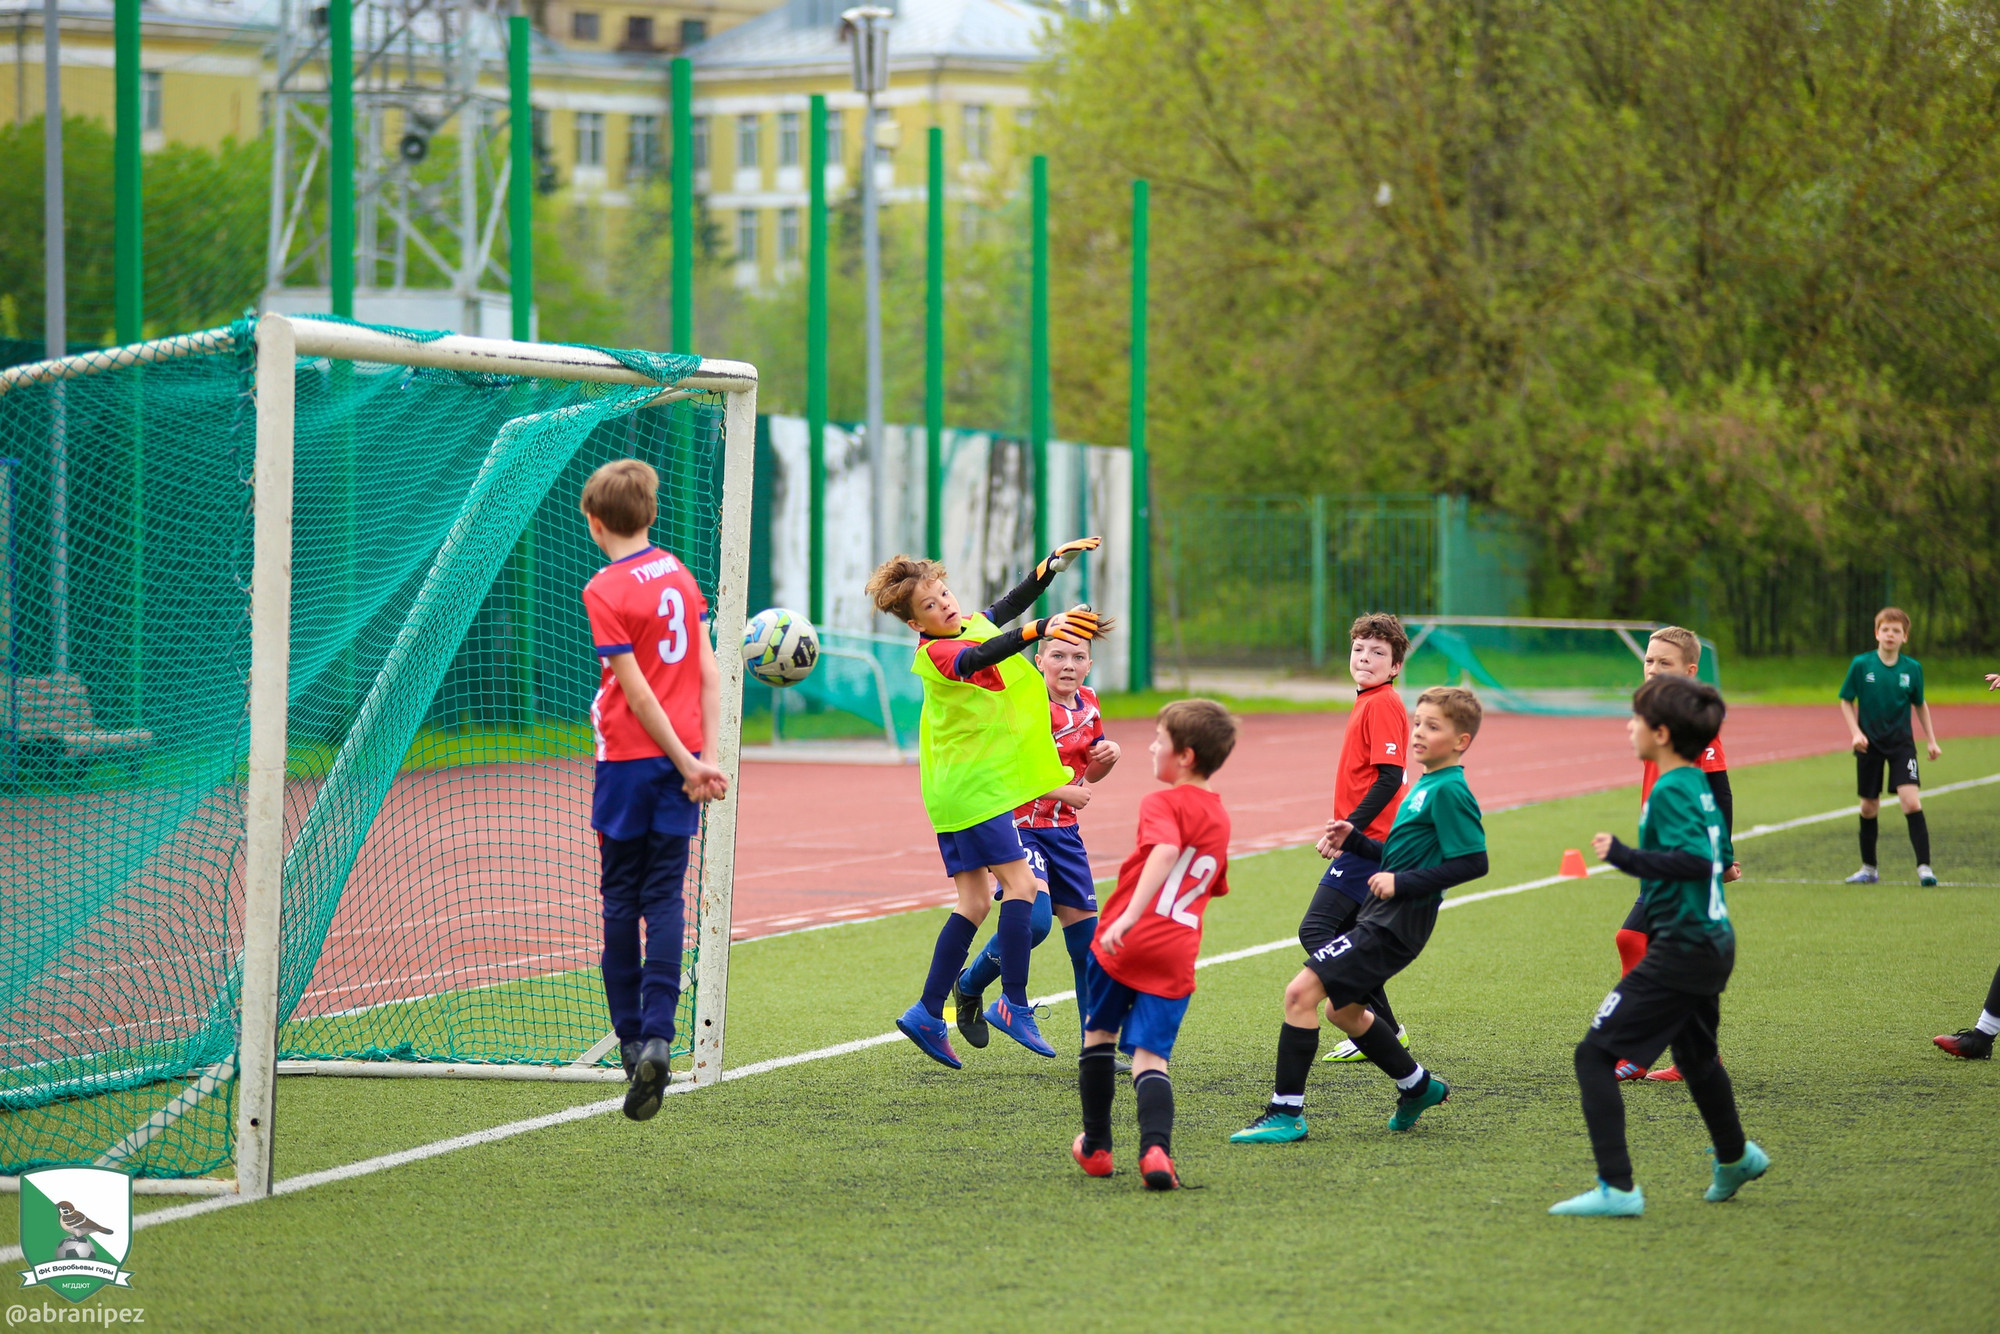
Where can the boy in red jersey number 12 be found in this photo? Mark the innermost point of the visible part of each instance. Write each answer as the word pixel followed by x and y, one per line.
pixel 1140 973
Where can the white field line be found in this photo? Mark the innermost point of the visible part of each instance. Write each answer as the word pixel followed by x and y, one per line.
pixel 370 1166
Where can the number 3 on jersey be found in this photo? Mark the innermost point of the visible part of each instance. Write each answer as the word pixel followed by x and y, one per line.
pixel 1202 869
pixel 674 643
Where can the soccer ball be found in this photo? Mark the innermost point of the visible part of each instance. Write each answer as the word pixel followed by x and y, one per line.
pixel 780 647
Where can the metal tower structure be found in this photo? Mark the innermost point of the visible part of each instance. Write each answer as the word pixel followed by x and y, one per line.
pixel 429 83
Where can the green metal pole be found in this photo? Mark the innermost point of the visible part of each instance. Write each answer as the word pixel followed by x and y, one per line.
pixel 1442 590
pixel 1142 498
pixel 934 355
pixel 1038 360
pixel 129 313
pixel 521 178
pixel 683 99
pixel 816 363
pixel 340 154
pixel 1318 618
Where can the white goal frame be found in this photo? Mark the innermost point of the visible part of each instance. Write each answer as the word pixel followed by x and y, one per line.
pixel 280 342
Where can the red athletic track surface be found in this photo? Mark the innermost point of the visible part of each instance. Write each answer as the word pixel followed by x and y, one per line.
pixel 825 843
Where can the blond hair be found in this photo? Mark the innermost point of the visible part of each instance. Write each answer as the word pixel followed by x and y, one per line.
pixel 1686 642
pixel 1459 706
pixel 624 496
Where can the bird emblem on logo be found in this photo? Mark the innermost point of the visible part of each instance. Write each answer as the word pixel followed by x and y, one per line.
pixel 74 1222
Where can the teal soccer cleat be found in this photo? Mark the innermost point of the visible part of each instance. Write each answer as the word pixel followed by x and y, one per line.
pixel 1413 1105
pixel 1272 1128
pixel 1602 1201
pixel 1732 1177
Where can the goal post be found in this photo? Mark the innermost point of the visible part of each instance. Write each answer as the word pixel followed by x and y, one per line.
pixel 349 659
pixel 1537 665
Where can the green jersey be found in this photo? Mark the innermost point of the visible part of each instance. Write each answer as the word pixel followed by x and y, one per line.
pixel 984 744
pixel 1883 695
pixel 1687 920
pixel 1439 820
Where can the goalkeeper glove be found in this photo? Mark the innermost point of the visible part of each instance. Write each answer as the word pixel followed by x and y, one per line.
pixel 1081 620
pixel 1077 626
pixel 1059 560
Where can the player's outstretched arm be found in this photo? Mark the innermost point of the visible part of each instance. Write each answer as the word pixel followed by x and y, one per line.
pixel 704 782
pixel 1022 596
pixel 1159 863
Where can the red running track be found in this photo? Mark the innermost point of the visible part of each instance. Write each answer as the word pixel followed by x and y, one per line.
pixel 825 843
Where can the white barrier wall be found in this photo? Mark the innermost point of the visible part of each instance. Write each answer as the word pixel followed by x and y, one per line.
pixel 988 527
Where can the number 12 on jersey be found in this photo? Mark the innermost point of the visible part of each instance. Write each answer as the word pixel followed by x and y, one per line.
pixel 1173 903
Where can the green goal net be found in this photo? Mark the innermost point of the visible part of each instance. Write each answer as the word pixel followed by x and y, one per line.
pixel 1526 665
pixel 439 896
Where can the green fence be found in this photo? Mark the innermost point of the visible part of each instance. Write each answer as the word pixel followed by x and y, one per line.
pixel 1277 578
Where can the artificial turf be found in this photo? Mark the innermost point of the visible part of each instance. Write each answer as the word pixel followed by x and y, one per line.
pixel 878 1190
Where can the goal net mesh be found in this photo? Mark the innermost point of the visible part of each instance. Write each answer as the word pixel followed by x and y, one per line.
pixel 440 871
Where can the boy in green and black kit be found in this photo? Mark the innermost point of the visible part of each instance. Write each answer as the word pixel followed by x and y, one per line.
pixel 1876 698
pixel 1674 995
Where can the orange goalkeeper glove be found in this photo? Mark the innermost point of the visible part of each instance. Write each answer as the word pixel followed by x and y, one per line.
pixel 1059 560
pixel 1078 625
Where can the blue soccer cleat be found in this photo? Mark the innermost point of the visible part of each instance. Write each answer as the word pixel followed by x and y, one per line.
pixel 1601 1201
pixel 1272 1128
pixel 1410 1106
pixel 1732 1177
pixel 929 1035
pixel 1018 1023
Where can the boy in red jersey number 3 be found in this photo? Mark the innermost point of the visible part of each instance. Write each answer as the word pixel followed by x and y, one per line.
pixel 655 715
pixel 1140 973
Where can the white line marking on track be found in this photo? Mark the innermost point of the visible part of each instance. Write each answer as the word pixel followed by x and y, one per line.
pixel 370 1166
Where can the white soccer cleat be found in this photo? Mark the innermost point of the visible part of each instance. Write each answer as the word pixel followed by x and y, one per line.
pixel 1347 1051
pixel 1867 875
pixel 1927 877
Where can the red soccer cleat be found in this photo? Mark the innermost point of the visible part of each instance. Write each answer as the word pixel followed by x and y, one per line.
pixel 1967 1044
pixel 1668 1075
pixel 1097 1164
pixel 1626 1072
pixel 1158 1169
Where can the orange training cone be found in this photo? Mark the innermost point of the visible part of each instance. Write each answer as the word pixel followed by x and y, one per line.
pixel 1572 866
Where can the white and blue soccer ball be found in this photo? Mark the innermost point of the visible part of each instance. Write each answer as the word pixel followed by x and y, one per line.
pixel 780 647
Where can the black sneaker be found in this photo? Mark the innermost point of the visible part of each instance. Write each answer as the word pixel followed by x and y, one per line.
pixel 649 1080
pixel 969 1014
pixel 1969 1043
pixel 628 1055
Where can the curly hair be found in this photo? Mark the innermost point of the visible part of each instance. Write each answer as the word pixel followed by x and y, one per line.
pixel 896 580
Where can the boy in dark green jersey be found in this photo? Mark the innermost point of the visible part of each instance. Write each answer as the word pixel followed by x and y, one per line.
pixel 1876 699
pixel 1673 996
pixel 1438 841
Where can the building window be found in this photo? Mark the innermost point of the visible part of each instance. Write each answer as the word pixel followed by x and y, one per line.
pixel 150 99
pixel 583 26
pixel 836 142
pixel 642 146
pixel 746 235
pixel 638 32
pixel 788 233
pixel 746 140
pixel 698 132
pixel 693 32
pixel 978 125
pixel 589 138
pixel 788 138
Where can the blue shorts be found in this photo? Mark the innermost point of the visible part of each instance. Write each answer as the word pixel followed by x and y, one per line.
pixel 634 798
pixel 1057 858
pixel 1349 874
pixel 993 842
pixel 1139 1018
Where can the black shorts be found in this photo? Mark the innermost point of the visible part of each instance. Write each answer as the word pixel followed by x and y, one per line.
pixel 1636 919
pixel 1645 1014
pixel 1354 966
pixel 1899 757
pixel 1332 913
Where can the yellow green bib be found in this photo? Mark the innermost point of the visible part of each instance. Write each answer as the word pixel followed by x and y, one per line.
pixel 984 752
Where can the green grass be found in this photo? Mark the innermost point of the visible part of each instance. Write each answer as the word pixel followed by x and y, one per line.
pixel 1815 679
pixel 879 1191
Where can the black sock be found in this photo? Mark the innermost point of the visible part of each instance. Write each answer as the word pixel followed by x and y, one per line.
pixel 1379 1003
pixel 1920 836
pixel 1156 1109
pixel 1870 828
pixel 1296 1048
pixel 1993 994
pixel 1715 1098
pixel 1604 1114
pixel 1096 1085
pixel 1379 1045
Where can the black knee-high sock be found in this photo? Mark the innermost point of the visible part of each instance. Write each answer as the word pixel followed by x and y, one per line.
pixel 1379 1003
pixel 1156 1109
pixel 1604 1114
pixel 1379 1045
pixel 1296 1048
pixel 1715 1098
pixel 1993 994
pixel 1871 827
pixel 1096 1085
pixel 1920 837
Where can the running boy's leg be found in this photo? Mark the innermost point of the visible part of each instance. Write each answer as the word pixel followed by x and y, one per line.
pixel 984 970
pixel 1011 1013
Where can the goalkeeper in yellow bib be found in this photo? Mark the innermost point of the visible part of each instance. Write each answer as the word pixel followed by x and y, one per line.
pixel 985 749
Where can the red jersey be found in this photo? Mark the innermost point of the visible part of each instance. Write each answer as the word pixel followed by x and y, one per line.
pixel 648 605
pixel 1378 732
pixel 1077 728
pixel 1158 953
pixel 1712 761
